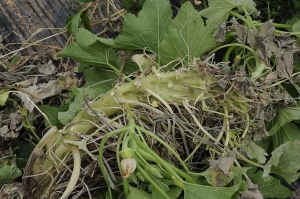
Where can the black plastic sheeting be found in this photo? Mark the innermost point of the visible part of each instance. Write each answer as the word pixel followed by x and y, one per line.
pixel 19 19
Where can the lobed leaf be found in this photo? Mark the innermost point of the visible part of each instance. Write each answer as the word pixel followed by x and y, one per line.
pixel 187 37
pixel 148 28
pixel 89 50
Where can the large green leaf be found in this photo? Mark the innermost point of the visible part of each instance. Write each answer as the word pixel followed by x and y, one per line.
pixel 187 37
pixel 286 115
pixel 89 50
pixel 288 132
pixel 192 191
pixel 148 28
pixel 219 10
pixel 285 161
pixel 270 186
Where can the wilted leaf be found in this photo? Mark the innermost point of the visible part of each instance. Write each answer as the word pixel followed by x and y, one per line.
pixel 252 192
pixel 220 9
pixel 8 174
pixel 193 191
pixel 270 186
pixel 255 152
pixel 187 37
pixel 148 28
pixel 284 67
pixel 47 69
pixel 285 161
pixel 43 91
pixel 286 115
pixel 143 61
pixel 224 163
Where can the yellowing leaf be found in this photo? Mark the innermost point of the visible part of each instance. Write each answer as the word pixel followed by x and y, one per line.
pixel 187 37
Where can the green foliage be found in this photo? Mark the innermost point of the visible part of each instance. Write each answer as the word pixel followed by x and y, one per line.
pixel 65 117
pixel 140 32
pixel 286 115
pixel 8 174
pixel 219 10
pixel 187 37
pixel 207 192
pixel 270 186
pixel 255 152
pixel 288 132
pixel 88 50
pixel 135 193
pixel 52 114
pixel 285 161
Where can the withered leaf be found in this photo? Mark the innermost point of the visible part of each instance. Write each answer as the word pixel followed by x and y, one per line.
pixel 252 191
pixel 220 32
pixel 284 61
pixel 224 163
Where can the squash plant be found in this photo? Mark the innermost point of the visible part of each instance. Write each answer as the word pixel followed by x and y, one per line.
pixel 174 123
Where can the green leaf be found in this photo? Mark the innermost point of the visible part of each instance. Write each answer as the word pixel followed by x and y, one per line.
pixel 288 132
pixel 8 174
pixel 285 161
pixel 255 152
pixel 219 10
pixel 52 114
pixel 148 28
pixel 296 28
pixel 270 186
pixel 67 116
pixel 135 193
pixel 286 115
pixel 193 191
pixel 133 6
pixel 85 20
pixel 4 96
pixel 88 50
pixel 98 81
pixel 73 24
pixel 187 37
